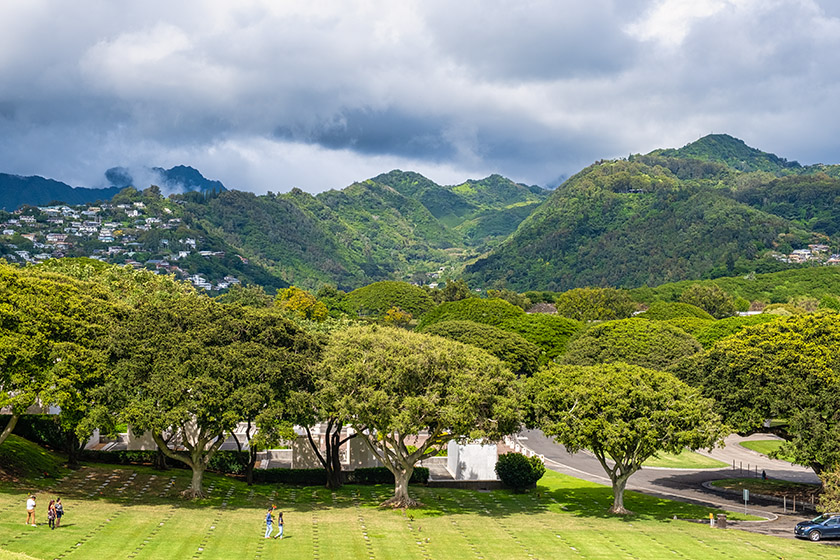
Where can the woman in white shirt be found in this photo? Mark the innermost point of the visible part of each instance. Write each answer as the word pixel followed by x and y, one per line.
pixel 30 510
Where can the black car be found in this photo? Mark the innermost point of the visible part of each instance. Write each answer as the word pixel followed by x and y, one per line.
pixel 826 526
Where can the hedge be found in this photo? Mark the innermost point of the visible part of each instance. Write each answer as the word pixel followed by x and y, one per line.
pixel 225 462
pixel 234 462
pixel 42 429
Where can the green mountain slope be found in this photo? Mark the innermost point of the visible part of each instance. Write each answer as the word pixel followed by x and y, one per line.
pixel 389 227
pixel 630 223
pixel 734 153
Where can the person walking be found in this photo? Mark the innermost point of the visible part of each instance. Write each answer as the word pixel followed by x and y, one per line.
pixel 269 521
pixel 51 514
pixel 30 510
pixel 279 534
pixel 59 511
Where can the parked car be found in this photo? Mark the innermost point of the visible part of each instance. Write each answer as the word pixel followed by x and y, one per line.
pixel 825 526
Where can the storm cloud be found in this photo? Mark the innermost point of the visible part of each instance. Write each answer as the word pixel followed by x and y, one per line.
pixel 267 95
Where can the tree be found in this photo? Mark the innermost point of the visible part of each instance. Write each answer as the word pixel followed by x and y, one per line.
pixel 394 384
pixel 788 368
pixel 376 299
pixel 191 366
pixel 301 303
pixel 595 304
pixel 830 497
pixel 711 298
pixel 397 317
pixel 455 290
pixel 510 296
pixel 623 414
pixel 53 331
pixel 653 344
pixel 251 296
pixel 521 356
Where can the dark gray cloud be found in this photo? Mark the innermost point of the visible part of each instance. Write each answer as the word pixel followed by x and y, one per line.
pixel 266 95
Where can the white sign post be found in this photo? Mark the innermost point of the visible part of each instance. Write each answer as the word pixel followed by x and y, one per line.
pixel 746 498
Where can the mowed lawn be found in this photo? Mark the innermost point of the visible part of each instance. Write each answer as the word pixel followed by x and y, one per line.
pixel 135 512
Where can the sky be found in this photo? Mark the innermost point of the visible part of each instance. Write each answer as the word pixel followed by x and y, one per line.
pixel 267 95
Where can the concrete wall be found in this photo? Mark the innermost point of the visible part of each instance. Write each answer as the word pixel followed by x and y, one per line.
pixel 472 461
pixel 140 442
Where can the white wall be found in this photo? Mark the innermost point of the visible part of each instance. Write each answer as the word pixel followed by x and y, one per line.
pixel 472 461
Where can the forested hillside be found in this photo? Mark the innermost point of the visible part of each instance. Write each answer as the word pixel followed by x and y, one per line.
pixel 398 225
pixel 712 208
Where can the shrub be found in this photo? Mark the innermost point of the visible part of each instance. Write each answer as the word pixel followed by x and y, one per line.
pixel 519 472
pixel 225 462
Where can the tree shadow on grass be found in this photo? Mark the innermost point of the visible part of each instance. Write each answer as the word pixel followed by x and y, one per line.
pixel 567 495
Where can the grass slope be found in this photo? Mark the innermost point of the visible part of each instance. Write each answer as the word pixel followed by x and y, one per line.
pixel 764 446
pixel 21 459
pixel 135 512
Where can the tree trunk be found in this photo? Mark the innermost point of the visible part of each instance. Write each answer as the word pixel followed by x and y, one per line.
pixel 9 427
pixel 195 490
pixel 252 461
pixel 401 498
pixel 72 447
pixel 160 460
pixel 618 485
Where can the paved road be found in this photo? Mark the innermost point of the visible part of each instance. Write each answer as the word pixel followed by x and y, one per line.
pixel 687 484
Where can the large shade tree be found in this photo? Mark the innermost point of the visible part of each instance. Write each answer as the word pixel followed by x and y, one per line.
pixel 787 369
pixel 653 344
pixel 53 334
pixel 623 414
pixel 394 385
pixel 189 366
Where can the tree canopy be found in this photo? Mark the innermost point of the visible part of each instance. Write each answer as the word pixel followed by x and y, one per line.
pixel 190 368
pixel 376 299
pixel 595 304
pixel 521 356
pixel 53 334
pixel 710 298
pixel 652 344
pixel 394 384
pixel 788 368
pixel 664 310
pixel 623 414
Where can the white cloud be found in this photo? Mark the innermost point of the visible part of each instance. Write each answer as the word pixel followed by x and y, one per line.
pixel 267 95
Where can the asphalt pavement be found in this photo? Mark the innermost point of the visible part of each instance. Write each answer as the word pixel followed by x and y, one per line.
pixel 688 484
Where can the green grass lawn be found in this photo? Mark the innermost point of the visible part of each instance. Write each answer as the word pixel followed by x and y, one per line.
pixel 765 446
pixel 135 512
pixel 685 460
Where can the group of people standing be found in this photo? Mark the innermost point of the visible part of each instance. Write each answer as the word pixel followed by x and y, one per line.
pixel 269 523
pixel 54 512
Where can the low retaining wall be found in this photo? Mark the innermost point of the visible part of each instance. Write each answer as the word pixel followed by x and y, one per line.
pixel 466 484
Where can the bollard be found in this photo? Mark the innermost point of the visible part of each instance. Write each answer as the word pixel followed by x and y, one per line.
pixel 711 520
pixel 784 503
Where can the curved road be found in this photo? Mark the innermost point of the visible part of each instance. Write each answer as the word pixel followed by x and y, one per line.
pixel 687 484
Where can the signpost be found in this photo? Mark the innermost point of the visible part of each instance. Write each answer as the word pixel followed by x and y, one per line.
pixel 746 498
